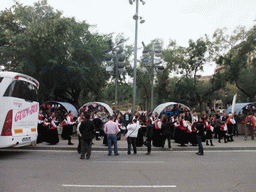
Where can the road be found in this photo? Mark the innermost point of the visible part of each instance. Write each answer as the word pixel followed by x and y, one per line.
pixel 217 171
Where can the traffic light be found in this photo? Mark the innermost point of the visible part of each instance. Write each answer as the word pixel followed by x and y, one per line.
pixel 158 49
pixel 109 53
pixel 160 68
pixel 120 55
pixel 145 55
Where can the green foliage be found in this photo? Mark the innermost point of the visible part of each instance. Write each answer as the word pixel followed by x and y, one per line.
pixel 162 87
pixel 124 93
pixel 143 88
pixel 239 63
pixel 60 52
pixel 189 61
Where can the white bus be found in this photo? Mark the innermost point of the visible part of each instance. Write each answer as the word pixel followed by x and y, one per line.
pixel 18 109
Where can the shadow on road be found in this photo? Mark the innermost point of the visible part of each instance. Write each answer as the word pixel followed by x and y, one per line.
pixel 12 155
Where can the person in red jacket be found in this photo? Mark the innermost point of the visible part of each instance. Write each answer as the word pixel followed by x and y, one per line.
pixel 223 131
pixel 230 124
pixel 250 126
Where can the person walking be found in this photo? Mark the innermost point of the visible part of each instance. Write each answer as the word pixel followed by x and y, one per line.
pixel 86 130
pixel 149 135
pixel 111 130
pixel 166 133
pixel 132 133
pixel 250 126
pixel 200 132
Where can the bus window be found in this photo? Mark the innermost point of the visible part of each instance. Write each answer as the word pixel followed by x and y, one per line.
pixel 22 89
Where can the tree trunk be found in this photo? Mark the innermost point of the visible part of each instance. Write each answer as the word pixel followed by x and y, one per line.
pixel 201 106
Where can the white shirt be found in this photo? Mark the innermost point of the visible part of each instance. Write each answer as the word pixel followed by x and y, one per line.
pixel 159 123
pixel 69 121
pixel 190 128
pixel 77 129
pixel 194 118
pixel 133 130
pixel 233 121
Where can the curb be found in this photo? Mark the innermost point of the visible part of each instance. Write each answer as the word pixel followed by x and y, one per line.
pixel 140 148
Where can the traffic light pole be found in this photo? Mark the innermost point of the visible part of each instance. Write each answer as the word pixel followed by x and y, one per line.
pixel 152 80
pixel 116 63
pixel 135 58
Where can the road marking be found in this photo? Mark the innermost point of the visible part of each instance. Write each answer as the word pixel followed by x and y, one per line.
pixel 126 162
pixel 121 186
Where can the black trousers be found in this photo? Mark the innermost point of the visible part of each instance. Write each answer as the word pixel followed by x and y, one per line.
pixel 131 141
pixel 230 132
pixel 149 144
pixel 79 145
pixel 200 145
pixel 168 137
pixel 86 147
pixel 222 134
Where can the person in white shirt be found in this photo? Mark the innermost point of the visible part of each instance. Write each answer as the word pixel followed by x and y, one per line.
pixel 70 123
pixel 131 135
pixel 194 117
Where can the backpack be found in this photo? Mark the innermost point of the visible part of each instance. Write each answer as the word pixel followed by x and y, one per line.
pixel 249 122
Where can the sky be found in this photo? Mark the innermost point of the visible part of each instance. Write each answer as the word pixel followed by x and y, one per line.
pixel 178 20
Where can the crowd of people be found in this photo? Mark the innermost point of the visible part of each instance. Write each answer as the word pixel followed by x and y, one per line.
pixel 48 124
pixel 142 129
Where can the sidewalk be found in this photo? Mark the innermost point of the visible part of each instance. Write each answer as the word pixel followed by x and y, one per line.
pixel 238 144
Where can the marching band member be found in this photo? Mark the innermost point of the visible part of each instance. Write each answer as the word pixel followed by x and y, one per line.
pixel 70 123
pixel 209 131
pixel 193 139
pixel 157 138
pixel 194 117
pixel 177 130
pixel 53 132
pixel 223 131
pixel 46 124
pixel 230 123
pixel 40 127
pixel 96 115
pixel 183 129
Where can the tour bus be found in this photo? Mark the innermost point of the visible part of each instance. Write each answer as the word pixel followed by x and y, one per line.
pixel 19 109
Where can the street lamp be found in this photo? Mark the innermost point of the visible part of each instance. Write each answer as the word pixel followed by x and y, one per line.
pixel 136 18
pixel 115 58
pixel 149 59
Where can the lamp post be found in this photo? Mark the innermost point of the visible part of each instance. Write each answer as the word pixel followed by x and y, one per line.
pixel 136 18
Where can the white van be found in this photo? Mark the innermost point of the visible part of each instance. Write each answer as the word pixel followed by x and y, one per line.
pixel 18 109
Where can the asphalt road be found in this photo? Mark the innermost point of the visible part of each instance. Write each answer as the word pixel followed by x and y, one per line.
pixel 217 171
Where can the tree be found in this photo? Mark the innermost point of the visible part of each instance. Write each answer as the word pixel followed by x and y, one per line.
pixel 143 86
pixel 161 87
pixel 60 52
pixel 240 64
pixel 124 94
pixel 189 61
